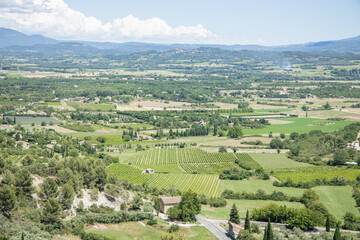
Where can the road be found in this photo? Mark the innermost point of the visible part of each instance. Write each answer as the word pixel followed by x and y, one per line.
pixel 213 226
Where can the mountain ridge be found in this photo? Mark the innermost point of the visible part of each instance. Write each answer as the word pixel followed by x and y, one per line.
pixel 16 41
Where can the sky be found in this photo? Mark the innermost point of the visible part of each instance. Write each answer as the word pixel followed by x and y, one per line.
pixel 265 22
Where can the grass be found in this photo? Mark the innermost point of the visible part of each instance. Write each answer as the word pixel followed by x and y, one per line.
pixel 91 106
pixel 133 230
pixel 337 199
pixel 26 120
pixel 252 186
pixel 79 128
pixel 301 125
pixel 53 103
pixel 242 206
pixel 275 161
pixel 313 173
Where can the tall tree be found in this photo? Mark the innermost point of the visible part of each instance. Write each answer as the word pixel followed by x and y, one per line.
pixel 7 200
pixel 337 234
pixel 269 233
pixel 265 233
pixel 327 224
pixel 48 189
pixel 23 182
pixel 66 196
pixel 247 221
pixel 157 205
pixel 234 215
pixel 51 211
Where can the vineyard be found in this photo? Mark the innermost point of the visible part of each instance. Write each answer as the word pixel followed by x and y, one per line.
pixel 180 156
pixel 207 184
pixel 247 162
pixel 181 168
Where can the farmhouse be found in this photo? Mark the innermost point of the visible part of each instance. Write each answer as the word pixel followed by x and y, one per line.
pixel 113 149
pixel 168 202
pixel 23 144
pixel 234 230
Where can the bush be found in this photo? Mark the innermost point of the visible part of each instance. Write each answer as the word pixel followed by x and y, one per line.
pixel 255 228
pixel 152 222
pixel 245 235
pixel 174 228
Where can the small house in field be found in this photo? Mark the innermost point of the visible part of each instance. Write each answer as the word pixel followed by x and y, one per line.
pixel 168 202
pixel 234 230
pixel 149 170
pixel 23 144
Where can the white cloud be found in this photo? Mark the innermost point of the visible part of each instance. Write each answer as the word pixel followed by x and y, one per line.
pixel 54 18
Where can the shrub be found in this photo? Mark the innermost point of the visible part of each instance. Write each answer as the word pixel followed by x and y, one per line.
pixel 152 222
pixel 174 228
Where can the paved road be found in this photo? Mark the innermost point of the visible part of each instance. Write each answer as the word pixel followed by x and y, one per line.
pixel 213 226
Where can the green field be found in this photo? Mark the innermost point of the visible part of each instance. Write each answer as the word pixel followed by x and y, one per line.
pixel 208 184
pixel 133 230
pixel 312 173
pixel 246 161
pixel 242 205
pixel 337 199
pixel 252 186
pixel 181 156
pixel 91 106
pixel 53 103
pixel 301 125
pixel 36 120
pixel 274 161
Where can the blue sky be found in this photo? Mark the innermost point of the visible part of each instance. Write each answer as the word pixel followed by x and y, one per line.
pixel 264 22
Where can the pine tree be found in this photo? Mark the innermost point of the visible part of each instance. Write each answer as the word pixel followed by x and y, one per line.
pixel 269 233
pixel 234 215
pixel 247 221
pixel 327 224
pixel 265 233
pixel 337 234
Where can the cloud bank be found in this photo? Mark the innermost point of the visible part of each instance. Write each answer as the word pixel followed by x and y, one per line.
pixel 54 18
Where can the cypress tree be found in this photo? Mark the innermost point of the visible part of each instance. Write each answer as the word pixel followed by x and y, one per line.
pixel 265 233
pixel 247 221
pixel 22 236
pixel 327 224
pixel 234 215
pixel 337 234
pixel 269 233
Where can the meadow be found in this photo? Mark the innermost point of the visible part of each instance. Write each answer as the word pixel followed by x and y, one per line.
pixel 92 106
pixel 337 199
pixel 222 213
pixel 300 125
pixel 312 173
pixel 134 230
pixel 275 161
pixel 251 186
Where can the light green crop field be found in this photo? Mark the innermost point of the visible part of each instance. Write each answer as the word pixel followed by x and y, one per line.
pixel 312 173
pixel 133 230
pixel 92 106
pixel 337 199
pixel 53 103
pixel 275 161
pixel 242 205
pixel 301 125
pixel 252 186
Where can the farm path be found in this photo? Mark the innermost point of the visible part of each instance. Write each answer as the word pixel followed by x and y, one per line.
pixel 213 226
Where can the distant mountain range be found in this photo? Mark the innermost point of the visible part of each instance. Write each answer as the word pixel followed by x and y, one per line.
pixel 11 40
